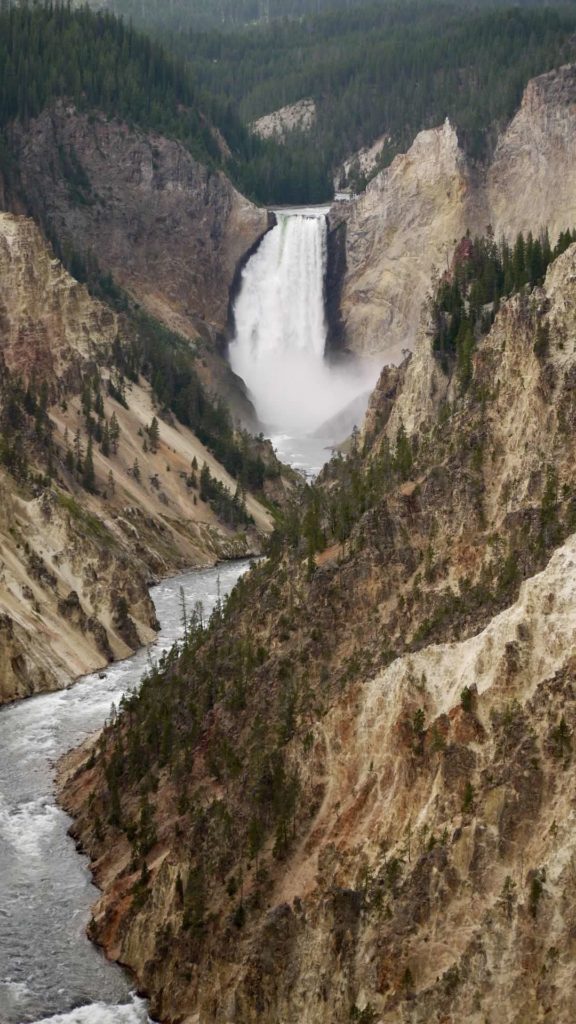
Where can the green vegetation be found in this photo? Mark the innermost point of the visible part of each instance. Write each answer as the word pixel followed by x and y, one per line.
pixel 328 511
pixel 483 273
pixel 49 51
pixel 25 428
pixel 227 15
pixel 230 509
pixel 97 61
pixel 89 523
pixel 381 69
pixel 167 360
pixel 378 69
pixel 180 15
pixel 214 663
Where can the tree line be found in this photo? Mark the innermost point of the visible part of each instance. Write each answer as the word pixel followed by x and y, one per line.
pixel 382 69
pixel 379 69
pixel 483 272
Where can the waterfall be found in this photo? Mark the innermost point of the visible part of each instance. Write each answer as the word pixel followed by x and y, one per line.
pixel 280 331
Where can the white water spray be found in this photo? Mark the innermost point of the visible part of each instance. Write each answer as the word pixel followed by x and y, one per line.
pixel 281 331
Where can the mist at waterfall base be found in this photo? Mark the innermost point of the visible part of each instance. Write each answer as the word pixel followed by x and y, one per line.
pixel 304 402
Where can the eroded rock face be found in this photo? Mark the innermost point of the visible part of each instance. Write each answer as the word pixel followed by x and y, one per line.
pixel 531 183
pixel 75 564
pixel 50 327
pixel 404 227
pixel 429 872
pixel 168 229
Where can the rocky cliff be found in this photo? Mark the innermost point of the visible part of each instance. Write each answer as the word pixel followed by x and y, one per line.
pixel 140 207
pixel 78 550
pixel 403 228
pixel 365 812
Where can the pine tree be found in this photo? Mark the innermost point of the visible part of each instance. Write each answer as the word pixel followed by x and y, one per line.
pixel 403 459
pixel 205 482
pixel 114 433
pixel 154 435
pixel 105 443
pixel 78 453
pixel 88 475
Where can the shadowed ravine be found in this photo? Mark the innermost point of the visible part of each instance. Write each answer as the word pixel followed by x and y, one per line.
pixel 47 965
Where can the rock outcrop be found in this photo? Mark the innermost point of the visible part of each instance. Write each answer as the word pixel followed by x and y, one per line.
pixel 396 232
pixel 379 826
pixel 531 182
pixel 362 164
pixel 404 226
pixel 76 561
pixel 296 117
pixel 50 327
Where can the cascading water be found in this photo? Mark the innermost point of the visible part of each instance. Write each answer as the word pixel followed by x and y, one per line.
pixel 280 324
pixel 280 336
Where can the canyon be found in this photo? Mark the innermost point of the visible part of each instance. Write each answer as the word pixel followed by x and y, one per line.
pixel 387 837
pixel 349 796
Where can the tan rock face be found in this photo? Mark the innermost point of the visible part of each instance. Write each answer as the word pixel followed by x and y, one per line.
pixel 404 227
pixel 364 162
pixel 399 229
pixel 70 558
pixel 429 875
pixel 168 229
pixel 531 183
pixel 50 327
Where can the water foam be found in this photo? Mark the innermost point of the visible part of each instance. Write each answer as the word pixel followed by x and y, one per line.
pixel 102 1013
pixel 281 331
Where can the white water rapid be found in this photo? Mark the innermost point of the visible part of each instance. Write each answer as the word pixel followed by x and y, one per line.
pixel 280 341
pixel 49 972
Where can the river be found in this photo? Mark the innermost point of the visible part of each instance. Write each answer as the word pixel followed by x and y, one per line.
pixel 49 971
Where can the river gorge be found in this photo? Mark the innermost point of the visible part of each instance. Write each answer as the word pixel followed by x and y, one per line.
pixel 49 969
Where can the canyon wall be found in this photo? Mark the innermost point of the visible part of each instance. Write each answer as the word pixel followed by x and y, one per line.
pixel 409 720
pixel 76 562
pixel 403 228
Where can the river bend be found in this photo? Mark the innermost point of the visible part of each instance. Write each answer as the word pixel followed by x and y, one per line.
pixel 49 971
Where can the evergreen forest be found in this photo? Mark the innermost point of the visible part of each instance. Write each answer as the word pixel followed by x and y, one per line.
pixel 380 69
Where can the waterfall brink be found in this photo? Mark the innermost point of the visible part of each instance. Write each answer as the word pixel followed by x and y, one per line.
pixel 280 333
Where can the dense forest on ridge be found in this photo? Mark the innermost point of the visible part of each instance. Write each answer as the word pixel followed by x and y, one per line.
pixel 382 69
pixel 178 15
pixel 392 72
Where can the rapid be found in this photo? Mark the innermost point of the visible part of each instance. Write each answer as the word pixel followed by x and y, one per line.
pixel 49 971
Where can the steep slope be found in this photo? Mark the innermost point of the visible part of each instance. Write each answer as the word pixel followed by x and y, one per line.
pixel 396 233
pixel 170 230
pixel 93 505
pixel 349 797
pixel 403 228
pixel 106 141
